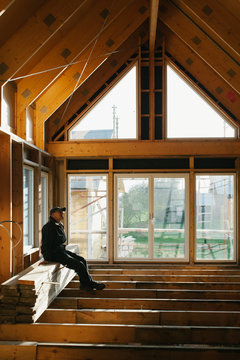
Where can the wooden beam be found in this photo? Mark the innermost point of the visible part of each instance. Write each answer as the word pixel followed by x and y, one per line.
pixel 231 6
pixel 219 24
pixel 144 148
pixel 219 88
pixel 4 4
pixel 153 23
pixel 74 50
pixel 120 30
pixel 34 34
pixel 93 83
pixel 18 350
pixel 5 206
pixel 200 43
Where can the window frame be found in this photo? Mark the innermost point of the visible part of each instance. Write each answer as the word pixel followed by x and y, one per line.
pixel 107 209
pixel 235 233
pixel 205 97
pixel 27 248
pixel 151 177
pixel 43 221
pixel 101 96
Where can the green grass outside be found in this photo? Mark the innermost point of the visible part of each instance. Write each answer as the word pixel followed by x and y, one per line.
pixel 172 246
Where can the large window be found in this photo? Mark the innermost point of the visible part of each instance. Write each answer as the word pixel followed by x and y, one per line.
pixel 113 116
pixel 151 217
pixel 189 115
pixel 28 208
pixel 215 217
pixel 88 221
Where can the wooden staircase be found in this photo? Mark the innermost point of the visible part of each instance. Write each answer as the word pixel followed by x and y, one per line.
pixel 168 312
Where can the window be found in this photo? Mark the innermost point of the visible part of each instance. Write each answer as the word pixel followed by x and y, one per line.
pixel 151 216
pixel 114 115
pixel 215 219
pixel 189 115
pixel 44 198
pixel 88 221
pixel 28 208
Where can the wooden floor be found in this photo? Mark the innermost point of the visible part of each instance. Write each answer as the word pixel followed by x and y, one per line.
pixel 166 312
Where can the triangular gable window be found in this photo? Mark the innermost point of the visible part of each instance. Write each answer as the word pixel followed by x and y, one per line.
pixel 113 116
pixel 189 115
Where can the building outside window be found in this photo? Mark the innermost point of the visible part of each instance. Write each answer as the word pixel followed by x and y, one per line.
pixel 88 216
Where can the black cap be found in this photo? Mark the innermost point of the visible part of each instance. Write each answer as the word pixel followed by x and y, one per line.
pixel 57 208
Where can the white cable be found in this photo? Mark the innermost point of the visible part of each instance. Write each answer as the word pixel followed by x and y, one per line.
pixel 13 245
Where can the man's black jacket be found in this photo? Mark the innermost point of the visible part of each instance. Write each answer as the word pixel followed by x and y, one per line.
pixel 53 239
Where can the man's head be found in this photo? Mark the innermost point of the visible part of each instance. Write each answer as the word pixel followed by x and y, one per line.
pixel 57 213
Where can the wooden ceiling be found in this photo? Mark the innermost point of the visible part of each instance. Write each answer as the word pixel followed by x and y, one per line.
pixel 66 43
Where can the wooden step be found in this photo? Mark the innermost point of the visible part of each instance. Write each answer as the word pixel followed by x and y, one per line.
pixel 77 351
pixel 163 271
pixel 18 350
pixel 154 304
pixel 165 285
pixel 141 317
pixel 121 334
pixel 153 293
pixel 169 278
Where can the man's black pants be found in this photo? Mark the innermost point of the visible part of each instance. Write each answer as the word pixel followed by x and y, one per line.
pixel 75 262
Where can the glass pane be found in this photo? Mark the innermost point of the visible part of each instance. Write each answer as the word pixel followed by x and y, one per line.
pixel 215 217
pixel 189 115
pixel 27 209
pixel 88 215
pixel 132 217
pixel 114 116
pixel 169 217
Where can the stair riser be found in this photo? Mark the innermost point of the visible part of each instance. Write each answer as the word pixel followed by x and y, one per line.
pixel 117 334
pixel 71 353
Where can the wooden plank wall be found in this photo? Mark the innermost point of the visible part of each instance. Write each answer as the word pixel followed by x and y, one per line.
pixel 5 206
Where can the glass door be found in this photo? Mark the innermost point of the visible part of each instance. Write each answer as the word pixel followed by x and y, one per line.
pixel 151 217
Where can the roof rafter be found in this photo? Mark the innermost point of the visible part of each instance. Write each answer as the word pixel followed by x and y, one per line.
pixel 96 81
pixel 200 43
pixel 213 18
pixel 34 34
pixel 119 31
pixel 68 50
pixel 200 70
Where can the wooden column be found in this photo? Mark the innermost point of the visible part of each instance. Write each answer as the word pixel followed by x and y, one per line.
pixel 111 212
pixel 21 122
pixel 17 205
pixel 192 212
pixel 5 206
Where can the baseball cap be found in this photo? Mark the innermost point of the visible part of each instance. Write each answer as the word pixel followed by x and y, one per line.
pixel 57 208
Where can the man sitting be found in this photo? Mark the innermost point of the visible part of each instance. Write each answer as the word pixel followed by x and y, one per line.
pixel 53 248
